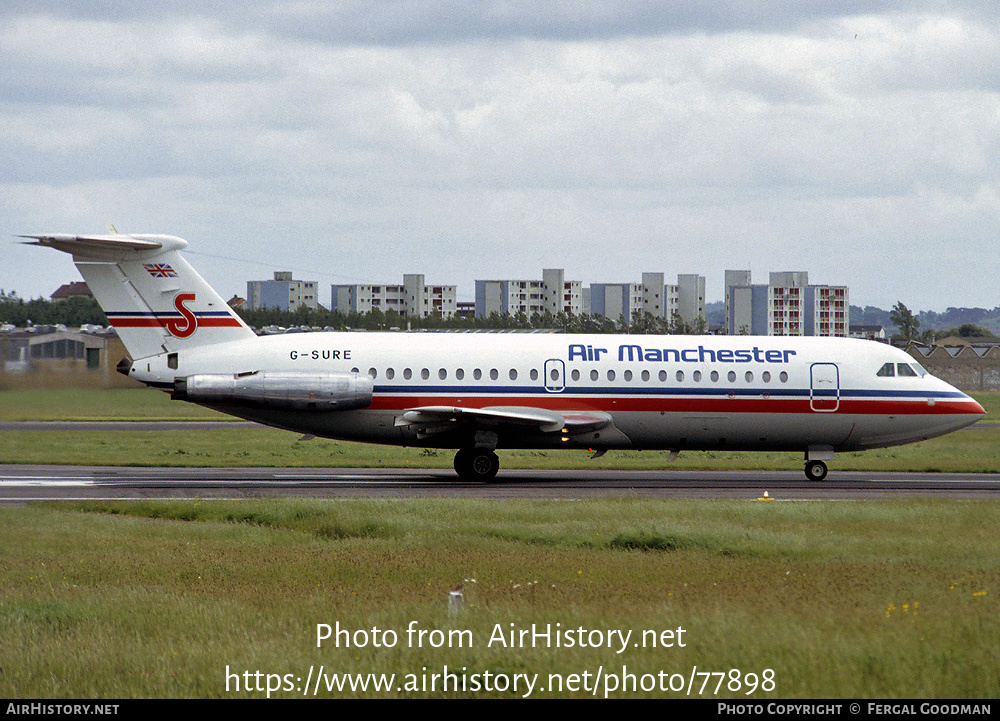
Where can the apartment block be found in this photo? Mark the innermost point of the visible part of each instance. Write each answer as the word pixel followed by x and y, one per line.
pixel 552 294
pixel 413 299
pixel 283 293
pixel 787 305
pixel 623 300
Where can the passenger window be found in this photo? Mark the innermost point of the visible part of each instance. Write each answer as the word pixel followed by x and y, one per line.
pixel 390 374
pixel 611 375
pixel 442 373
pixel 459 374
pixel 748 377
pixel 534 374
pixel 886 371
pixel 407 374
pixel 714 376
pixel 697 376
pixel 425 374
pixel 593 375
pixel 627 375
pixel 645 376
pixel 732 376
pixel 512 374
pixel 904 370
pixel 372 373
pixel 680 376
pixel 494 374
pixel 477 374
pixel 766 376
pixel 662 376
pixel 783 377
pixel 575 374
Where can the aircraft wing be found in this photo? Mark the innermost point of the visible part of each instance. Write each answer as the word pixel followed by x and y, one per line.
pixel 428 420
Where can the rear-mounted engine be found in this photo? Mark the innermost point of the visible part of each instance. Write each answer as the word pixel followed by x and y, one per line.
pixel 285 391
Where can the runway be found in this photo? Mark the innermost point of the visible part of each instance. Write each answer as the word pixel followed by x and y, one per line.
pixel 23 483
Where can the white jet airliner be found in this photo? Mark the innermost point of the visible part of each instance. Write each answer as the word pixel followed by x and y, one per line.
pixel 480 392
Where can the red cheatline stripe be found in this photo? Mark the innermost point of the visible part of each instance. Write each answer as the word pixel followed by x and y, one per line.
pixel 218 322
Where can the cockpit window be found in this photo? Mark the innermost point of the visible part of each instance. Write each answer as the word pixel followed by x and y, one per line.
pixel 903 370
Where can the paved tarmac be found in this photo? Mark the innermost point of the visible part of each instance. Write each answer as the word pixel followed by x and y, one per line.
pixel 24 483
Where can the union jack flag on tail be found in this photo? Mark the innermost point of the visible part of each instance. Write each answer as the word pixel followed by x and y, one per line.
pixel 160 270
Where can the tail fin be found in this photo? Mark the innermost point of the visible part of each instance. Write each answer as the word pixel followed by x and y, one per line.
pixel 151 295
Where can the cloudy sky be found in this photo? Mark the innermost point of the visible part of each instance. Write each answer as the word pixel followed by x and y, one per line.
pixel 357 141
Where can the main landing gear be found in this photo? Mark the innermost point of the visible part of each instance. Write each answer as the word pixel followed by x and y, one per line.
pixel 816 470
pixel 476 464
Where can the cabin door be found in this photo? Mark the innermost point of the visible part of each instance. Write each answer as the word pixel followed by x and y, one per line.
pixel 824 387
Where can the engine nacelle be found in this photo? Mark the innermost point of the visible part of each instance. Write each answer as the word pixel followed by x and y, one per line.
pixel 285 391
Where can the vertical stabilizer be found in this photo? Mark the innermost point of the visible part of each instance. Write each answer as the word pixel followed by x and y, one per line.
pixel 152 296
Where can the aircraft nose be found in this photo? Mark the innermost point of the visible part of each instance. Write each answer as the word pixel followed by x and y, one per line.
pixel 975 407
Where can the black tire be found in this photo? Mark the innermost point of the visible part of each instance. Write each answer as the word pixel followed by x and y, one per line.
pixel 816 470
pixel 476 464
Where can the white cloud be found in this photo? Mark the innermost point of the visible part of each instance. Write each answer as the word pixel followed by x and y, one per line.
pixel 367 143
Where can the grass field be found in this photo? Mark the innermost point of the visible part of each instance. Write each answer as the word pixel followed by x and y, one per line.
pixel 840 600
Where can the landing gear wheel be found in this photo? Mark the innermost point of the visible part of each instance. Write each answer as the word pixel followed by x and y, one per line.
pixel 816 470
pixel 476 464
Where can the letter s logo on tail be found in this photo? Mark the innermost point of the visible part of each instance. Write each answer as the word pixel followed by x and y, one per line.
pixel 188 318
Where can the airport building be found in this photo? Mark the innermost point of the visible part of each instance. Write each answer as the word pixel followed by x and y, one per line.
pixel 283 293
pixel 552 294
pixel 413 299
pixel 787 305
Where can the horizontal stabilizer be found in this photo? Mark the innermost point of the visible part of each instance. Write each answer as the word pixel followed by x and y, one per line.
pixel 108 247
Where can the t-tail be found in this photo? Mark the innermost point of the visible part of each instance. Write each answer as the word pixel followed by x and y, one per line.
pixel 154 299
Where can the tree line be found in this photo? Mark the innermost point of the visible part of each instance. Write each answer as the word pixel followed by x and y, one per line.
pixel 77 311
pixel 376 319
pixel 72 312
pixel 909 327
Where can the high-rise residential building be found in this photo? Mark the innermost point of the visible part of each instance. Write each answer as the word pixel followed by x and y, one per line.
pixel 552 294
pixel 686 299
pixel 413 299
pixel 787 305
